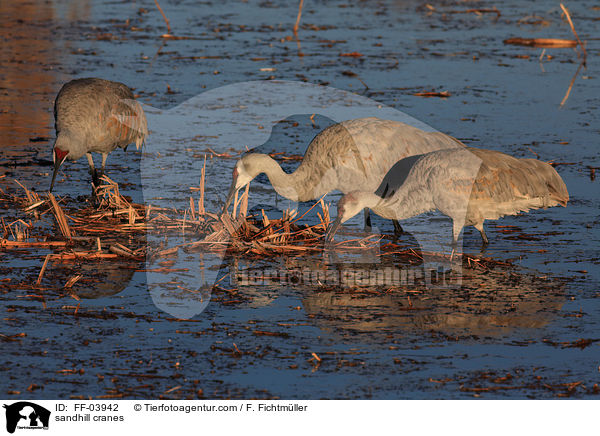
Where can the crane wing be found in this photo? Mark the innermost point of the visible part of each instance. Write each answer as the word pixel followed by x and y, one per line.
pixel 504 178
pixel 128 121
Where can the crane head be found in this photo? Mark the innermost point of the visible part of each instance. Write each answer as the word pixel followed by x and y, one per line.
pixel 241 176
pixel 348 207
pixel 59 157
pixel 345 210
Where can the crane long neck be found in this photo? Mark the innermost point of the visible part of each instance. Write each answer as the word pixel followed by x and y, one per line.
pixel 295 186
pixel 407 202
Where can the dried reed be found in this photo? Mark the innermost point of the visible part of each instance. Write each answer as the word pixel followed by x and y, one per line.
pixel 60 217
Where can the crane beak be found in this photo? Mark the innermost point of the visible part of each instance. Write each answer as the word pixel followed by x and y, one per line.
pixel 57 164
pixel 230 196
pixel 333 228
pixel 59 157
pixel 232 191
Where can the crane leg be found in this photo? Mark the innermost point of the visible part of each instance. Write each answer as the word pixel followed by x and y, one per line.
pixel 95 182
pixel 104 157
pixel 93 171
pixel 367 220
pixel 397 228
pixel 456 229
pixel 479 226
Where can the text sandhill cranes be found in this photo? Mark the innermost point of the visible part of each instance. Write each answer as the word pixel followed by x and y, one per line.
pixel 469 185
pixel 348 156
pixel 95 115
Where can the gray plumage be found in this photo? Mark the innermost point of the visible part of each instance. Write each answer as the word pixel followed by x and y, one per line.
pixel 469 185
pixel 347 156
pixel 95 115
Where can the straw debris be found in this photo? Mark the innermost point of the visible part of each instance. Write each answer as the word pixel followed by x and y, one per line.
pixel 121 225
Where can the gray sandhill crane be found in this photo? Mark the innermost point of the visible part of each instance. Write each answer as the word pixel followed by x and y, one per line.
pixel 469 185
pixel 351 155
pixel 95 115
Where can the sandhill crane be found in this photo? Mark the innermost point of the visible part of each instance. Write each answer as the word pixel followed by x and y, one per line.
pixel 347 156
pixel 95 115
pixel 469 185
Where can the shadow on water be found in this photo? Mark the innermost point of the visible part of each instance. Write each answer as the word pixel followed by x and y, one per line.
pixel 489 303
pixel 98 279
pixel 370 298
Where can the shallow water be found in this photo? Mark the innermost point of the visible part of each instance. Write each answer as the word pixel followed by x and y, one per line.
pixel 507 333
